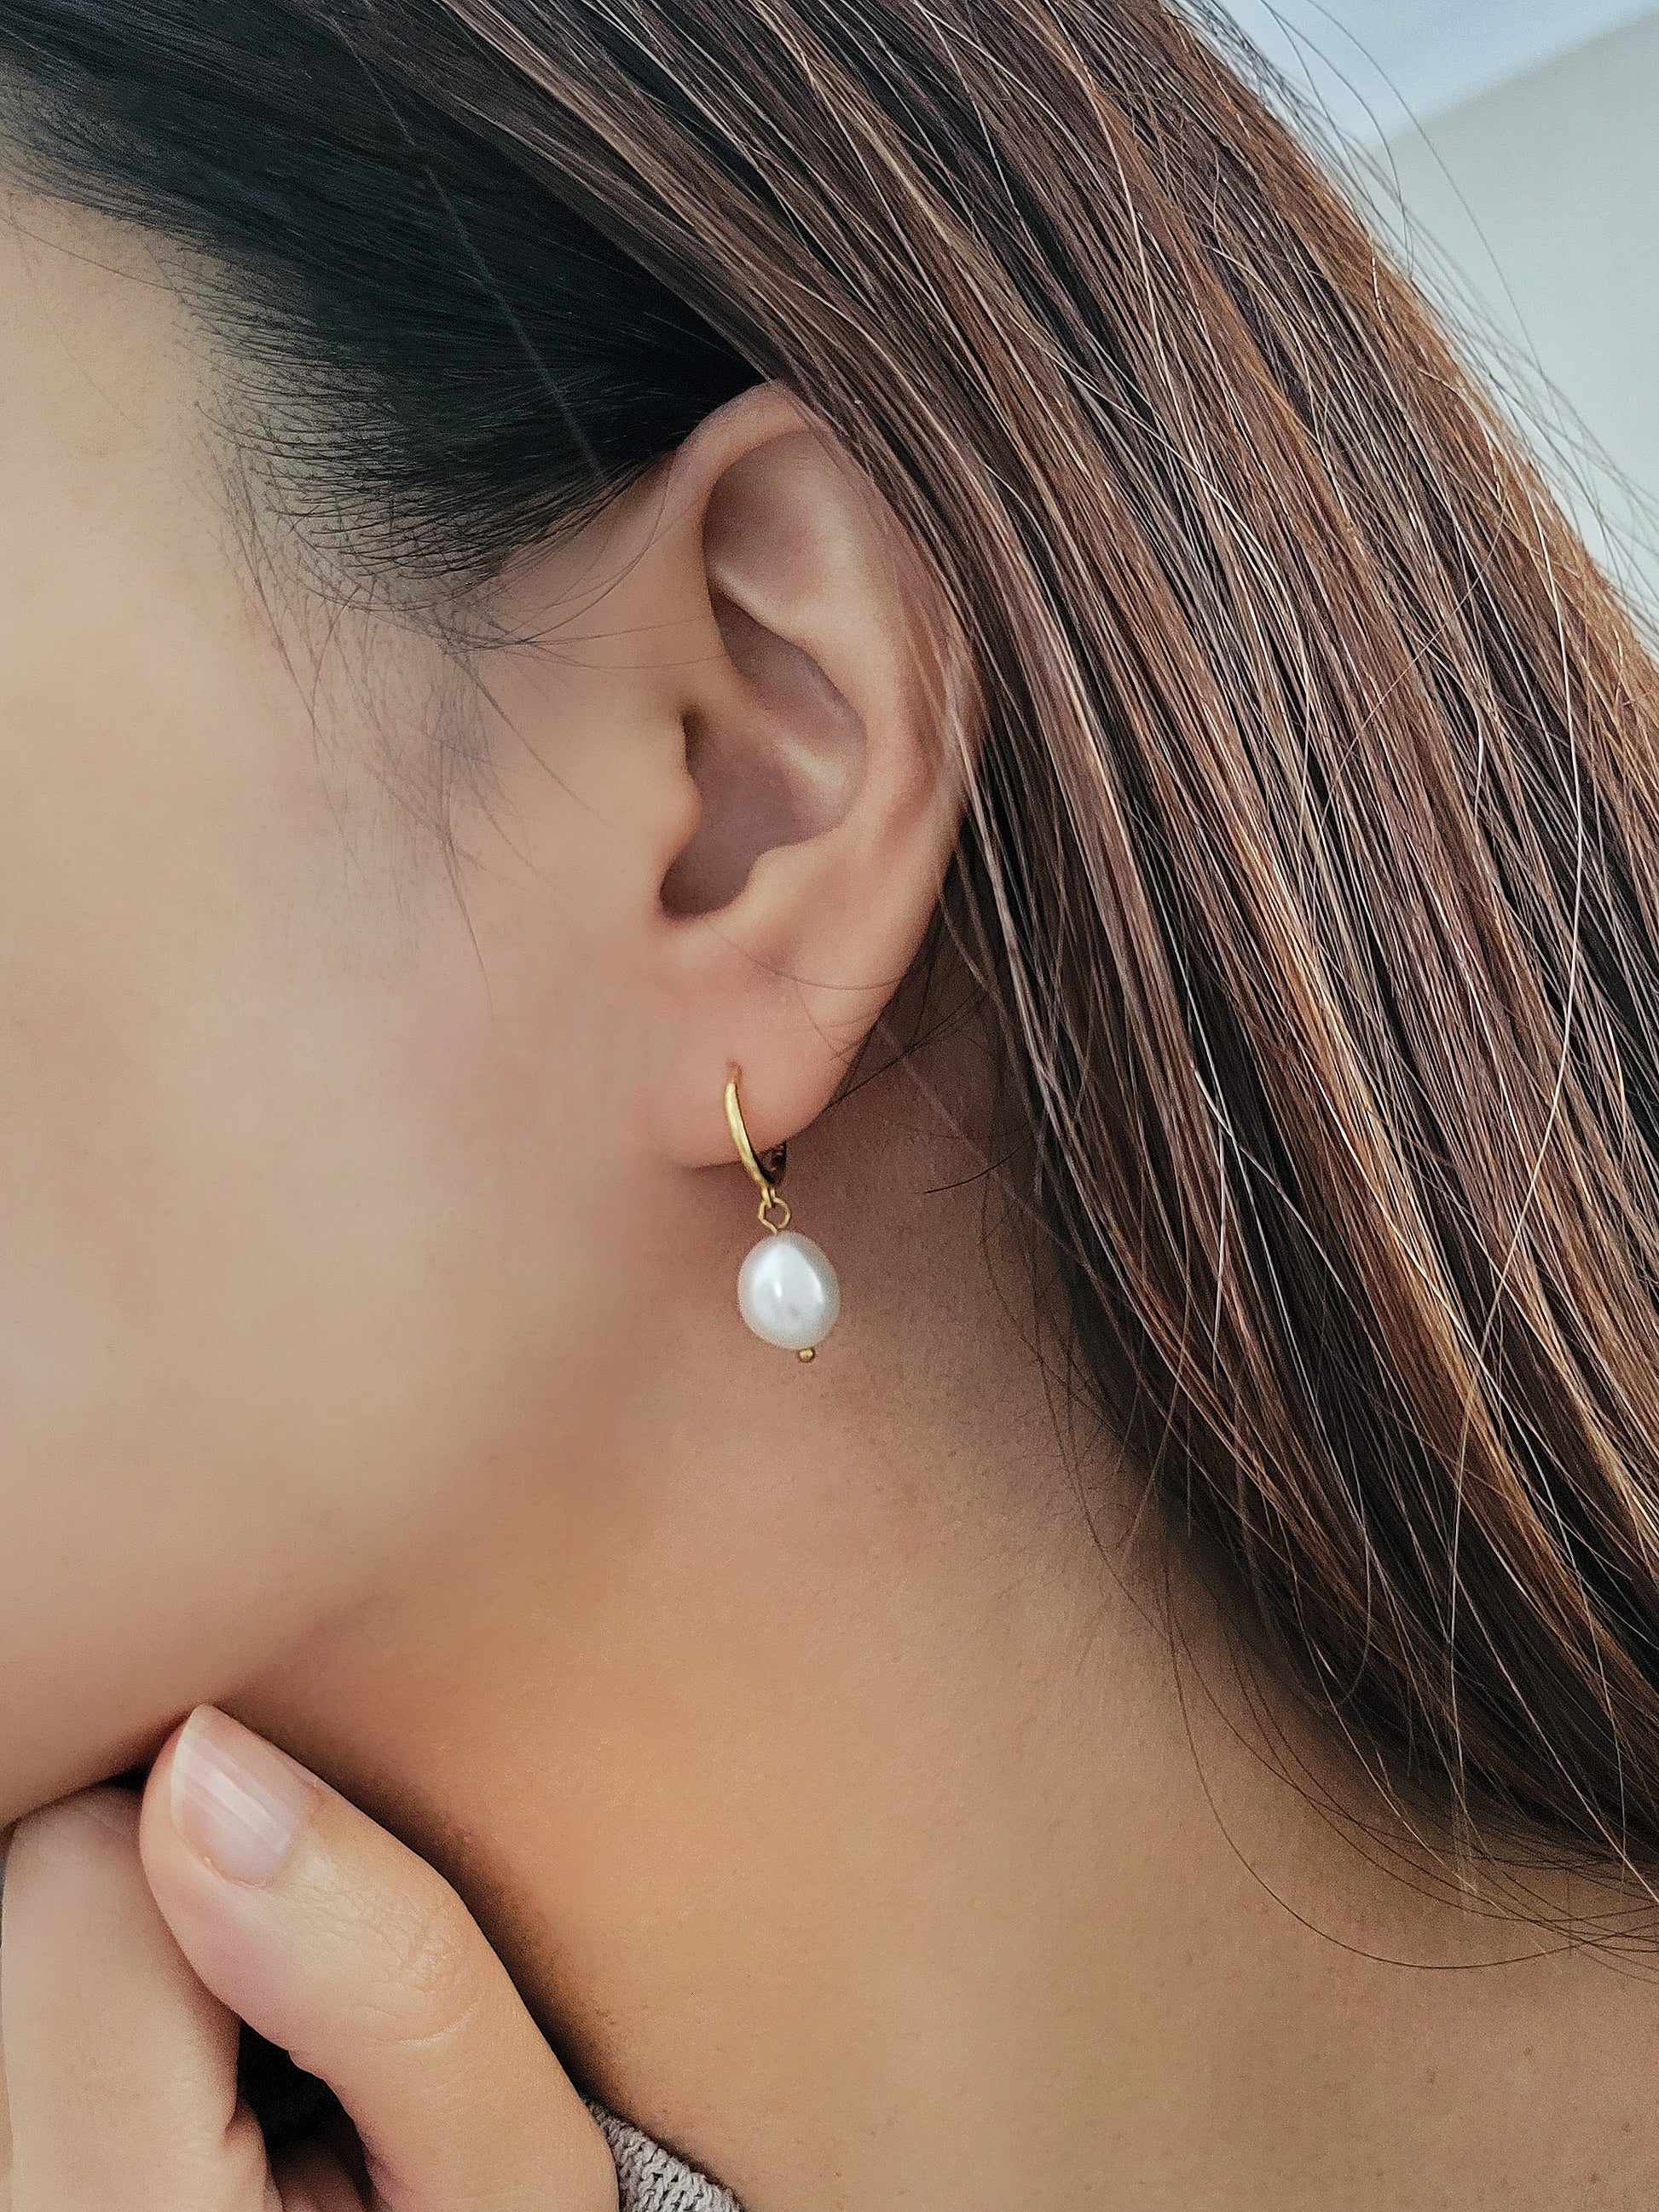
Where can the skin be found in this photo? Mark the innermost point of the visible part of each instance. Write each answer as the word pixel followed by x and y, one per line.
pixel 372 1367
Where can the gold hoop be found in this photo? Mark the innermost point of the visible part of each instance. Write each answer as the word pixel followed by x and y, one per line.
pixel 773 1212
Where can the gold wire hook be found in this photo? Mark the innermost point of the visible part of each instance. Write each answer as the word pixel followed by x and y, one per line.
pixel 767 1174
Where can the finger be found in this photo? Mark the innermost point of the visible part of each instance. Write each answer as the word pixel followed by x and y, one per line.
pixel 335 1942
pixel 121 2067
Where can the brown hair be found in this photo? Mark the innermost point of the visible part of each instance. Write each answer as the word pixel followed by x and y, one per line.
pixel 1311 863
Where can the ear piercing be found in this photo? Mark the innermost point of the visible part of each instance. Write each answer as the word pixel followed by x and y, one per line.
pixel 786 1289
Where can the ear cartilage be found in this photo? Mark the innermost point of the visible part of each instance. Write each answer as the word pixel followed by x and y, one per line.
pixel 788 1291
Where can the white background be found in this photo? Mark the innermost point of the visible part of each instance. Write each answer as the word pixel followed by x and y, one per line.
pixel 1513 145
pixel 1377 64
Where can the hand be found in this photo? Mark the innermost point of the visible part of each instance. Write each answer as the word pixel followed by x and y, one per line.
pixel 137 1935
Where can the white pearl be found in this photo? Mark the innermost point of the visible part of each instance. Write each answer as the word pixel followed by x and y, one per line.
pixel 788 1291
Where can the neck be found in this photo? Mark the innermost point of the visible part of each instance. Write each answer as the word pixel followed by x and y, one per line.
pixel 844 1814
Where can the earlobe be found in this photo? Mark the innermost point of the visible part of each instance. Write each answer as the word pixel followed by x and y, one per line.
pixel 828 793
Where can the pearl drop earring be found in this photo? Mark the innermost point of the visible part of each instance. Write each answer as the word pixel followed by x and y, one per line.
pixel 786 1289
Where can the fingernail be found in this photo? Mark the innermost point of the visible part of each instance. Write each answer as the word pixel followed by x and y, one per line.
pixel 236 1801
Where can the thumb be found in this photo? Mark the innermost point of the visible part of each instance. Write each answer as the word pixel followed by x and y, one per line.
pixel 334 1941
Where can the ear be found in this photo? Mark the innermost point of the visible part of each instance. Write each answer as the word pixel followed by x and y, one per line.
pixel 822 734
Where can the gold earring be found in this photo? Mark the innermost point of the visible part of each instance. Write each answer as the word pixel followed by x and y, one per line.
pixel 786 1289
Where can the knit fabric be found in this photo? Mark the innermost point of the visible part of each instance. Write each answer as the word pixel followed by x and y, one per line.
pixel 651 2179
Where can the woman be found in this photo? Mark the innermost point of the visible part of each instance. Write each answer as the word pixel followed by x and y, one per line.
pixel 869 643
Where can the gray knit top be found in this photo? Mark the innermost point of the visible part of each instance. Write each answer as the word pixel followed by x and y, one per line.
pixel 651 2178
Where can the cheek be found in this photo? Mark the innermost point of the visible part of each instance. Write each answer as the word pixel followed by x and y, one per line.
pixel 247 1338
pixel 536 1057
pixel 251 1338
